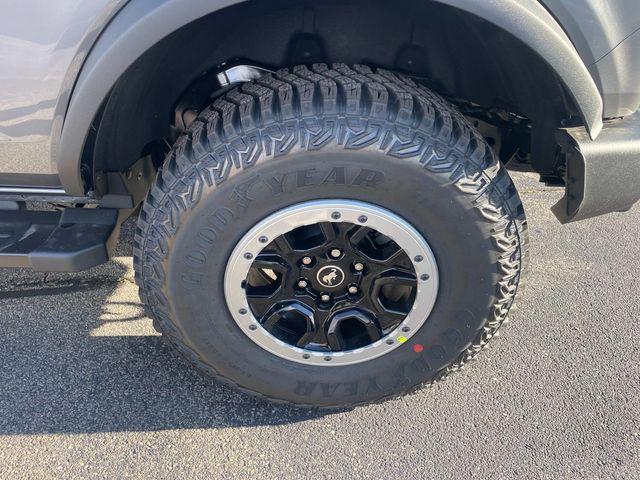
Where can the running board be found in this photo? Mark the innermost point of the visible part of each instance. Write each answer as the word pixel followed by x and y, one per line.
pixel 72 240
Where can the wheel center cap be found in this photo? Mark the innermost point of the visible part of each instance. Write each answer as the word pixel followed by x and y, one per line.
pixel 330 276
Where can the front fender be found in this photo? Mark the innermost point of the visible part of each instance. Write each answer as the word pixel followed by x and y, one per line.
pixel 142 23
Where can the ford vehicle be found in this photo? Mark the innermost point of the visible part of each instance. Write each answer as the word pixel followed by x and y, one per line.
pixel 324 210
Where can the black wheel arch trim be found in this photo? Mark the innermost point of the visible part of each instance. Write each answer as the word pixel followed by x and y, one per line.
pixel 140 24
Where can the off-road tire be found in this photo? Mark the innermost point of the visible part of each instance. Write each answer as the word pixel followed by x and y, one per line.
pixel 394 143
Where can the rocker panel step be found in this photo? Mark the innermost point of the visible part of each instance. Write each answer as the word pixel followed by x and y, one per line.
pixel 72 240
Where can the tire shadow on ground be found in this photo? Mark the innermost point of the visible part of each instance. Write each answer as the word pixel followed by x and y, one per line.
pixel 58 376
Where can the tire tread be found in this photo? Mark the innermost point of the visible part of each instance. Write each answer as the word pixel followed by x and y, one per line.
pixel 417 124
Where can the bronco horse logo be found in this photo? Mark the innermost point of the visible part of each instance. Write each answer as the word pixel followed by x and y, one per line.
pixel 330 276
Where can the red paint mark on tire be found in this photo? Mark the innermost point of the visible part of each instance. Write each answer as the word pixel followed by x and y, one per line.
pixel 417 348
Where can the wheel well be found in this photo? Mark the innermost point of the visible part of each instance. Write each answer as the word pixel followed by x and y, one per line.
pixel 488 72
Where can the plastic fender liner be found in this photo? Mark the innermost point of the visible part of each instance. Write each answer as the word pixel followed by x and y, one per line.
pixel 603 175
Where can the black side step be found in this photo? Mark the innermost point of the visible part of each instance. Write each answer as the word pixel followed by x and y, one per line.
pixel 72 240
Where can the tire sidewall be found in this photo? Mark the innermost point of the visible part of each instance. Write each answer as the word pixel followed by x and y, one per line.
pixel 460 239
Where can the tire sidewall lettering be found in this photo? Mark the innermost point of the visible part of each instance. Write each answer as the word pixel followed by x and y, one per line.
pixel 246 193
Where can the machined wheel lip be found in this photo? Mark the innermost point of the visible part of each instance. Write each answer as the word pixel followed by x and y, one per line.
pixel 338 210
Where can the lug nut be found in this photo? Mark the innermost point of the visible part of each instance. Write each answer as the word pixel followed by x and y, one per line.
pixel 302 284
pixel 353 289
pixel 358 266
pixel 325 297
pixel 306 260
pixel 335 253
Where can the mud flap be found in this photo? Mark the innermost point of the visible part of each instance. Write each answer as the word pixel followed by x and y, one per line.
pixel 603 176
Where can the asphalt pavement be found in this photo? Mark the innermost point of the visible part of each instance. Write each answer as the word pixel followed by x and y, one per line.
pixel 88 389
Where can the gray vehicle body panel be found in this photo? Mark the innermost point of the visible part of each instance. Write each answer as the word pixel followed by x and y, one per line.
pixel 58 61
pixel 595 26
pixel 606 34
pixel 43 46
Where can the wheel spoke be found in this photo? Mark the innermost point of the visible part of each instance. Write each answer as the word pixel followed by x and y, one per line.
pixel 266 281
pixel 357 234
pixel 270 261
pixel 390 319
pixel 395 276
pixel 265 277
pixel 306 339
pixel 267 293
pixel 335 340
pixel 271 268
pixel 283 245
pixel 369 329
pixel 392 294
pixel 317 340
pixel 290 321
pixel 328 230
pixel 394 258
pixel 260 304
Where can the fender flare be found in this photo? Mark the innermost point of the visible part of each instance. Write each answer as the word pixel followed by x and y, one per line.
pixel 142 23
